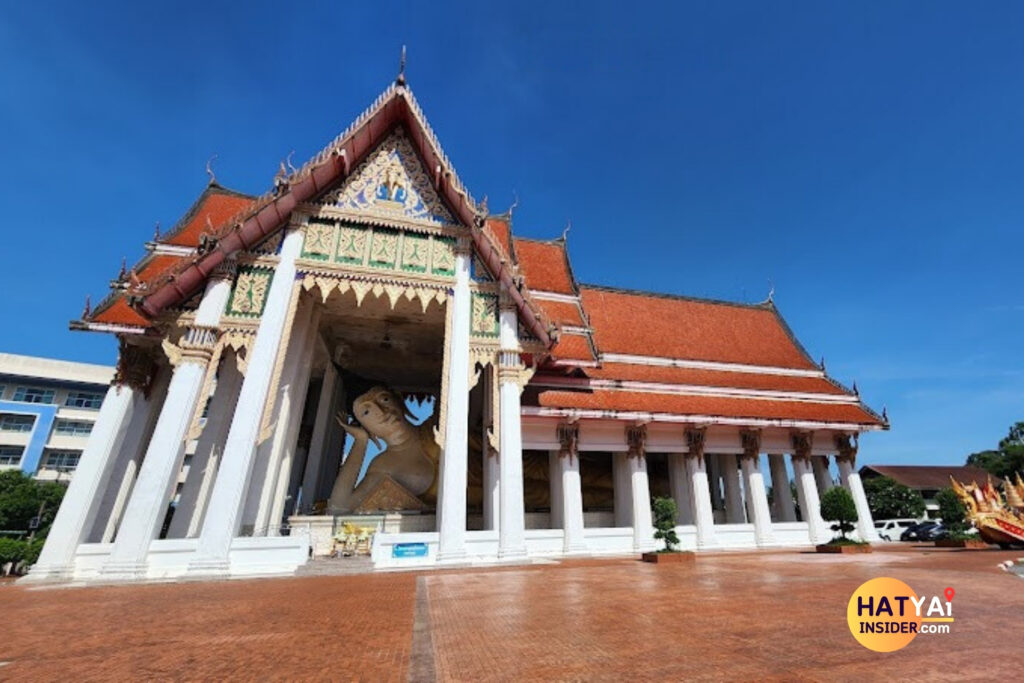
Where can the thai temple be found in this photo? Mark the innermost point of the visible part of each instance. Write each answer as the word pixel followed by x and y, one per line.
pixel 366 346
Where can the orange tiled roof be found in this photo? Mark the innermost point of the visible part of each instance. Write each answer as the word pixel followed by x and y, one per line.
pixel 645 324
pixel 544 265
pixel 217 204
pixel 501 232
pixel 713 378
pixel 119 313
pixel 573 347
pixel 562 313
pixel 674 404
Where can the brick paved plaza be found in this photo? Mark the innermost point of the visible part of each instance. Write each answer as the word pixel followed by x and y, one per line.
pixel 729 616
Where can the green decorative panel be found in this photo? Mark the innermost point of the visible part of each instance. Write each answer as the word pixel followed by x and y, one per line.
pixel 442 261
pixel 484 322
pixel 249 295
pixel 384 248
pixel 319 243
pixel 415 252
pixel 352 240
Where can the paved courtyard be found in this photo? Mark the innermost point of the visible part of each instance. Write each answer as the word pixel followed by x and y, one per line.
pixel 761 616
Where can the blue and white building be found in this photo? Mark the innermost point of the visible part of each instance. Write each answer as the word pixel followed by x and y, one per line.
pixel 47 411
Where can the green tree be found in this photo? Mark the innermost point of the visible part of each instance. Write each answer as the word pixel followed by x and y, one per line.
pixel 21 498
pixel 887 499
pixel 665 512
pixel 837 506
pixel 1008 459
pixel 954 516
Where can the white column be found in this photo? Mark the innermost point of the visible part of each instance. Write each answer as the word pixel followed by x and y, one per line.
pixel 680 484
pixel 703 515
pixel 194 496
pixel 782 496
pixel 643 528
pixel 451 507
pixel 148 505
pixel 226 501
pixel 555 486
pixel 733 494
pixel 819 463
pixel 512 525
pixel 753 482
pixel 492 493
pixel 136 441
pixel 285 418
pixel 77 512
pixel 318 442
pixel 291 439
pixel 621 490
pixel 571 500
pixel 851 480
pixel 810 504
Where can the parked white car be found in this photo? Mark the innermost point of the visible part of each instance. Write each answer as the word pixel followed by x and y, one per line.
pixel 890 529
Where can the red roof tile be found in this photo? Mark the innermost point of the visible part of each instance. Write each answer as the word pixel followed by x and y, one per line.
pixel 544 266
pixel 674 404
pixel 217 204
pixel 712 378
pixel 501 232
pixel 675 327
pixel 561 313
pixel 120 313
pixel 573 347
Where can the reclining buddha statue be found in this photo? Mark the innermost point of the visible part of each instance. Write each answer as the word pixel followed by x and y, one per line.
pixel 404 475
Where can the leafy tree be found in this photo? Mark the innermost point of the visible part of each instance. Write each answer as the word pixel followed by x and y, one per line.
pixel 888 498
pixel 665 512
pixel 21 497
pixel 837 506
pixel 954 516
pixel 1008 459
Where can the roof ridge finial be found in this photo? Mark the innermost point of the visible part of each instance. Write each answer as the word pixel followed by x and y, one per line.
pixel 156 232
pixel 771 291
pixel 822 364
pixel 512 207
pixel 855 389
pixel 88 308
pixel 209 171
pixel 565 233
pixel 885 414
pixel 288 160
pixel 400 79
pixel 124 269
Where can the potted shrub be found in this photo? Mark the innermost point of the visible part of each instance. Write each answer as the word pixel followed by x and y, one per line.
pixel 954 518
pixel 837 506
pixel 664 511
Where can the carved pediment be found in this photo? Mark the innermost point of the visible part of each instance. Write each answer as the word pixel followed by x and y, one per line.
pixel 392 183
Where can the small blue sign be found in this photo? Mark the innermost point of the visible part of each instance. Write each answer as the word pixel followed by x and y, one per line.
pixel 409 550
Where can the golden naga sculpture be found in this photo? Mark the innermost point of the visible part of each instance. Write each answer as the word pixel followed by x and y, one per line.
pixel 998 521
pixel 404 475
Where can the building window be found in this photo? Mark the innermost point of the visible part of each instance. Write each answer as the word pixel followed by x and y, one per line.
pixel 84 399
pixel 12 422
pixel 33 395
pixel 62 461
pixel 10 455
pixel 73 428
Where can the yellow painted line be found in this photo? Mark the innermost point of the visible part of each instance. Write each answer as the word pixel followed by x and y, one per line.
pixel 949 619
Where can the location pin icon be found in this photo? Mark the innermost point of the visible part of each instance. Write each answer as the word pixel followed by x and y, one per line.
pixel 949 594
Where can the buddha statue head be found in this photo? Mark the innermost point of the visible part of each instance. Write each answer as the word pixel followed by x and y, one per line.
pixel 382 413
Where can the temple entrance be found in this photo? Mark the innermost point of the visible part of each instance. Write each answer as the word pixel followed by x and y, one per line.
pixel 372 460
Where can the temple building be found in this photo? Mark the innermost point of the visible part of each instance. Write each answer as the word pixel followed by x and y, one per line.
pixel 365 343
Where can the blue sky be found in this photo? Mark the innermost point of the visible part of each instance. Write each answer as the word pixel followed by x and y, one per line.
pixel 866 159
